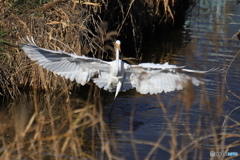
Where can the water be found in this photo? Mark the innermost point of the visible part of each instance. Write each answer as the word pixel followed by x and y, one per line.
pixel 204 42
pixel 146 126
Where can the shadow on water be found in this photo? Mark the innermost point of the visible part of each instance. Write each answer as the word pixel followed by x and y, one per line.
pixel 183 124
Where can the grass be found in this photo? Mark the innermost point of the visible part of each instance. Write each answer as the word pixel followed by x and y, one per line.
pixel 2 34
pixel 53 125
pixel 50 128
pixel 70 23
pixel 56 125
pixel 63 120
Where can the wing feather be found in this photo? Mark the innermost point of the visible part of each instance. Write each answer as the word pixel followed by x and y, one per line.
pixel 67 65
pixel 156 78
pixel 145 77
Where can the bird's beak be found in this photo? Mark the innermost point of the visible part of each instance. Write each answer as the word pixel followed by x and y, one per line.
pixel 118 47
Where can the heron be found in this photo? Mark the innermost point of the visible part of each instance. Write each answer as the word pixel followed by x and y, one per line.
pixel 112 76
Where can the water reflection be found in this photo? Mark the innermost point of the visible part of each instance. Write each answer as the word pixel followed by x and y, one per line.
pixel 184 123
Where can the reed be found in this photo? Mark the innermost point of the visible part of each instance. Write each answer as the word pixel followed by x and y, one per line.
pixel 62 122
pixel 78 25
pixel 53 127
pixel 56 125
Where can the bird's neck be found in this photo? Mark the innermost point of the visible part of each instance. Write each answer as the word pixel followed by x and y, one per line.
pixel 117 57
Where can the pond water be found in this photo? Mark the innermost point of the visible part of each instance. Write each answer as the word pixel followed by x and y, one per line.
pixel 171 124
pixel 205 41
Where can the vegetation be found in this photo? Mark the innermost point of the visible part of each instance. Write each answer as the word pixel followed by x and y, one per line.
pixel 56 125
pixel 66 122
pixel 77 24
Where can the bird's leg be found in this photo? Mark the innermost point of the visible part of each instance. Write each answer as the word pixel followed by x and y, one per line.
pixel 119 85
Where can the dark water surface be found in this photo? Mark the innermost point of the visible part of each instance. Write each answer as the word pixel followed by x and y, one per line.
pixel 148 126
pixel 205 42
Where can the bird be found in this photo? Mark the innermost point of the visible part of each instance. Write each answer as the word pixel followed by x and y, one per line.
pixel 112 76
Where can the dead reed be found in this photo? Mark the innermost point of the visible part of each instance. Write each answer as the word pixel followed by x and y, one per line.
pixel 57 125
pixel 79 26
pixel 52 126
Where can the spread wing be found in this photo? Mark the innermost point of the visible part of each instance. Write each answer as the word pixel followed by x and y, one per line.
pixel 67 65
pixel 156 78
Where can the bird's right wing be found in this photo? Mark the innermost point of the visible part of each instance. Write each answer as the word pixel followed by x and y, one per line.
pixel 67 65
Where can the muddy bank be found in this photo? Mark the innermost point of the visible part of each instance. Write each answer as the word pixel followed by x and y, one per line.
pixel 88 28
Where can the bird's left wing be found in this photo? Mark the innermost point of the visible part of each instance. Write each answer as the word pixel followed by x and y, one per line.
pixel 67 65
pixel 156 78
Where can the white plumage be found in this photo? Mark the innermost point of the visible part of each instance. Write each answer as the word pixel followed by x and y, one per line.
pixel 113 76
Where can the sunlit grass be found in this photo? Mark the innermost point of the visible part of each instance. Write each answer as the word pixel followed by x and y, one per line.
pixel 69 23
pixel 51 121
pixel 53 126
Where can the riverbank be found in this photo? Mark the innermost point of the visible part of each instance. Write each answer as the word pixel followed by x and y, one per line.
pixel 70 122
pixel 85 27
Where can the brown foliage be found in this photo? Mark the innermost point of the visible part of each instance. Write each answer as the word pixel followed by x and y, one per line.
pixel 77 25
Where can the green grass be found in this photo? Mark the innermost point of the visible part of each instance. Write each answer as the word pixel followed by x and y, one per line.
pixel 2 41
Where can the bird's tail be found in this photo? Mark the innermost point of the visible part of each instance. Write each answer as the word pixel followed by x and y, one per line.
pixel 103 83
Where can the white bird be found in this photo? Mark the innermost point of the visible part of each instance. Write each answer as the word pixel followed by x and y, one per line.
pixel 114 76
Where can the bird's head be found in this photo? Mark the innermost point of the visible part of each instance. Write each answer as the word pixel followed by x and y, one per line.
pixel 117 45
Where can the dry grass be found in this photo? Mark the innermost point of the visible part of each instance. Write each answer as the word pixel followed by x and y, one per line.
pixel 56 125
pixel 59 124
pixel 77 25
pixel 53 127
